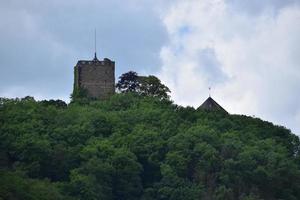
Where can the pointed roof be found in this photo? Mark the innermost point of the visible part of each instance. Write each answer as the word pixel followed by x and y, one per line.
pixel 211 105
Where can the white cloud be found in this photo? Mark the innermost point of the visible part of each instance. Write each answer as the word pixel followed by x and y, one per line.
pixel 251 61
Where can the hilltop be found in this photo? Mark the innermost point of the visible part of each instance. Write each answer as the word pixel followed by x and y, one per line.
pixel 139 147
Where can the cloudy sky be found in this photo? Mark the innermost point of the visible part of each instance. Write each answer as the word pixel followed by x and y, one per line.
pixel 248 51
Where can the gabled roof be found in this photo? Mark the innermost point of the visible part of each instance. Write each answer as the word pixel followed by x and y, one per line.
pixel 211 105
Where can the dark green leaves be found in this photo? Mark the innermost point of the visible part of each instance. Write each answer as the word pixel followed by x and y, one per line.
pixel 141 146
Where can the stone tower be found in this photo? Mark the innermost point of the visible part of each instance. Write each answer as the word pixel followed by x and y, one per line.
pixel 96 77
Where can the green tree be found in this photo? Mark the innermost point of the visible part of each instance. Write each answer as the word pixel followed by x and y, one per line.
pixel 142 85
pixel 107 173
pixel 152 86
pixel 15 185
pixel 128 82
pixel 136 146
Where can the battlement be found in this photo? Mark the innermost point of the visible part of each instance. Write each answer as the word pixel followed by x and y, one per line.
pixel 105 61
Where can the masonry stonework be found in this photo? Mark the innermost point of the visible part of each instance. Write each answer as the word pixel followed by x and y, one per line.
pixel 96 77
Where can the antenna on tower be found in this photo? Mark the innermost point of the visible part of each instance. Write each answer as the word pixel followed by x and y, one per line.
pixel 209 90
pixel 95 44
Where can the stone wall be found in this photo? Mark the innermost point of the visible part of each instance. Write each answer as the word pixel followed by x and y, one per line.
pixel 97 77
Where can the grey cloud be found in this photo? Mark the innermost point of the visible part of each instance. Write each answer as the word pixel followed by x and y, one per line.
pixel 210 65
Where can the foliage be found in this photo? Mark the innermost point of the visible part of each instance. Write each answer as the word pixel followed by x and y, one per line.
pixel 142 85
pixel 152 86
pixel 80 95
pixel 135 146
pixel 128 82
pixel 15 185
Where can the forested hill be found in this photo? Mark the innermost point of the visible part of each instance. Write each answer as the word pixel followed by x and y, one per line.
pixel 133 147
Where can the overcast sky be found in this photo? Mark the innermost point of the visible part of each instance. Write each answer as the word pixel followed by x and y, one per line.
pixel 248 51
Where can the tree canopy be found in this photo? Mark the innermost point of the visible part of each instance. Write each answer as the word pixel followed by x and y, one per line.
pixel 139 147
pixel 128 82
pixel 142 85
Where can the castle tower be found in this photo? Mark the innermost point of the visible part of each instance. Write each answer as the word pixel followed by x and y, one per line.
pixel 95 77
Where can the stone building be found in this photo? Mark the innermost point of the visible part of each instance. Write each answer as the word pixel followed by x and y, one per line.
pixel 96 77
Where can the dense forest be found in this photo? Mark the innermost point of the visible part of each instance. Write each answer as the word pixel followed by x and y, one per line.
pixel 141 147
